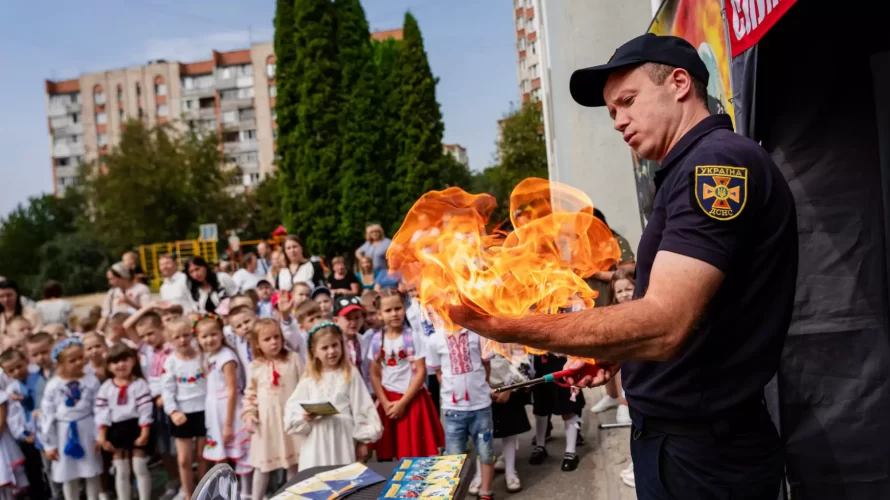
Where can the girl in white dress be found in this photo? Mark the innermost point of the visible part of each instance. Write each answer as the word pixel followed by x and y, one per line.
pixel 334 439
pixel 67 428
pixel 13 478
pixel 227 438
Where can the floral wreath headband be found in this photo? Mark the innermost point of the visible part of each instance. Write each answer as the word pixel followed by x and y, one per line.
pixel 203 317
pixel 65 344
pixel 319 326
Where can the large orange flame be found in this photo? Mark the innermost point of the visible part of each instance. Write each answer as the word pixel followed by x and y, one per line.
pixel 444 249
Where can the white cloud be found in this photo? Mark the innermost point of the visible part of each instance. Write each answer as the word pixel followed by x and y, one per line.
pixel 197 48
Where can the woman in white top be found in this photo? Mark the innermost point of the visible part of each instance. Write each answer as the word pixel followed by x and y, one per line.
pixel 299 267
pixel 204 287
pixel 126 294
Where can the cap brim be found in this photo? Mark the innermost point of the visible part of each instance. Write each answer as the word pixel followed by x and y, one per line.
pixel 587 84
pixel 348 309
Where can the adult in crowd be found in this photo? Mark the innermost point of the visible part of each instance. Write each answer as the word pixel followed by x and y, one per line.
pixel 11 305
pixel 205 290
pixel 367 275
pixel 263 261
pixel 131 259
pixel 174 289
pixel 125 295
pixel 224 275
pixel 246 278
pixel 298 267
pixel 715 282
pixel 342 282
pixel 375 246
pixel 53 308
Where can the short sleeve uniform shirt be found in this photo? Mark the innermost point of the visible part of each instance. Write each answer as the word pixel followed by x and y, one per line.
pixel 720 199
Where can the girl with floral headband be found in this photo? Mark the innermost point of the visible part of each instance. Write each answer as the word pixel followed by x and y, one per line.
pixel 336 439
pixel 67 428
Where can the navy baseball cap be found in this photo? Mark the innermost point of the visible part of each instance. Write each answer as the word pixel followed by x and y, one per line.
pixel 586 85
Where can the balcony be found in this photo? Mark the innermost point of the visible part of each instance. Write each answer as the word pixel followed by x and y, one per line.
pixel 231 148
pixel 207 113
pixel 225 83
pixel 236 103
pixel 247 123
pixel 67 171
pixel 69 129
pixel 191 114
pixel 65 149
pixel 198 92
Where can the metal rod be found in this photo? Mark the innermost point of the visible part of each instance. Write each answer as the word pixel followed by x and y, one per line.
pixel 613 426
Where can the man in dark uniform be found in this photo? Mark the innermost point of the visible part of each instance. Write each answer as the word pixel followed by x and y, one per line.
pixel 716 270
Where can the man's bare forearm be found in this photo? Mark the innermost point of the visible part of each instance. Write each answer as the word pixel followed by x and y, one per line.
pixel 635 330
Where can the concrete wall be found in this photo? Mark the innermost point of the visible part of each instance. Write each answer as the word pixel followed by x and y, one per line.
pixel 584 150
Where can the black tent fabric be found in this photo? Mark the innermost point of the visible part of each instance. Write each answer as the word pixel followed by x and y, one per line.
pixel 807 93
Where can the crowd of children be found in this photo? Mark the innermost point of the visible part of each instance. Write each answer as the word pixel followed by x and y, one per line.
pixel 91 408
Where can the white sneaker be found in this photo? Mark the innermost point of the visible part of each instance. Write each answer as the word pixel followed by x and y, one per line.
pixel 475 485
pixel 180 495
pixel 622 415
pixel 628 470
pixel 500 465
pixel 104 496
pixel 629 480
pixel 605 403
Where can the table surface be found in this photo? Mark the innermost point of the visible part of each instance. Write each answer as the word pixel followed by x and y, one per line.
pixel 386 469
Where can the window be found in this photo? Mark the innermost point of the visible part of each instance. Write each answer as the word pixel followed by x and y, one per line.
pixel 249 158
pixel 244 70
pixel 522 64
pixel 78 159
pixel 162 110
pixel 533 46
pixel 189 104
pixel 534 70
pixel 102 140
pixel 59 121
pixel 522 44
pixel 99 97
pixel 120 93
pixel 254 178
pixel 248 135
pixel 230 116
pixel 536 94
pixel 531 24
pixel 225 72
pixel 75 118
pixel 161 89
pixel 122 116
pixel 520 23
pixel 274 133
pixel 274 115
pixel 273 91
pixel 62 162
pixel 101 118
pixel 138 91
pixel 246 93
pixel 270 70
pixel 524 86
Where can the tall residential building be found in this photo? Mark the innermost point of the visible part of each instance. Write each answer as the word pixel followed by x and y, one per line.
pixel 458 152
pixel 530 49
pixel 232 93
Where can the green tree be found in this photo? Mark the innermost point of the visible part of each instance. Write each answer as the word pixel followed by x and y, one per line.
pixel 421 127
pixel 310 176
pixel 523 154
pixel 386 59
pixel 157 185
pixel 263 209
pixel 75 261
pixel 286 83
pixel 364 176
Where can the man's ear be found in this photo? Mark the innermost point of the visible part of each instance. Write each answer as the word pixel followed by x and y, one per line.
pixel 681 82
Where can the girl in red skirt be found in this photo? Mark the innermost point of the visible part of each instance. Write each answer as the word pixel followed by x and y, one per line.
pixel 411 427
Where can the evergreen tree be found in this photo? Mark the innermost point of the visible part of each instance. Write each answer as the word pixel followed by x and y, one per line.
pixel 286 99
pixel 386 59
pixel 364 176
pixel 421 129
pixel 311 175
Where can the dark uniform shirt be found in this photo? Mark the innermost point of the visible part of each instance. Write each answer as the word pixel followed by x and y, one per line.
pixel 720 199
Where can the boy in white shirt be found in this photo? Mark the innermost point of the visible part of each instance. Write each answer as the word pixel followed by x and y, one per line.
pixel 466 400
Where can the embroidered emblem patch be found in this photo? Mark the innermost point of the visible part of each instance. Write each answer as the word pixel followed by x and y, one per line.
pixel 721 191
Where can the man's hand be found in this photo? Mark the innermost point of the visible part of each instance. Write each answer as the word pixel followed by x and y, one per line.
pixel 501 397
pixel 605 373
pixel 479 322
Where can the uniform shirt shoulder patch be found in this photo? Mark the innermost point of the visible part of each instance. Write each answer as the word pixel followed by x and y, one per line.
pixel 721 190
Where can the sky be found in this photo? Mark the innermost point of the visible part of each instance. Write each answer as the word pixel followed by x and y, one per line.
pixel 470 44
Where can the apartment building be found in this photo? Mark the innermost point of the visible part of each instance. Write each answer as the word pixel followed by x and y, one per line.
pixel 457 152
pixel 530 49
pixel 231 93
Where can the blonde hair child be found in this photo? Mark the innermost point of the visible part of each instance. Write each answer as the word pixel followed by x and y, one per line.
pixel 335 439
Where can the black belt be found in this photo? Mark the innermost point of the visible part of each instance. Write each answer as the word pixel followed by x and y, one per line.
pixel 747 416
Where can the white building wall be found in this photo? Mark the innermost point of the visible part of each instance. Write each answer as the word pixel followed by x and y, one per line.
pixel 583 148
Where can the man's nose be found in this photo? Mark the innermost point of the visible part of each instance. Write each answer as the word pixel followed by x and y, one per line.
pixel 620 123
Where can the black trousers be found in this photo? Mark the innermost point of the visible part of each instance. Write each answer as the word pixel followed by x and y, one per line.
pixel 37 489
pixel 742 463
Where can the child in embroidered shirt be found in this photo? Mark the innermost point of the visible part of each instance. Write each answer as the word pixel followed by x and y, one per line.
pixel 66 426
pixel 39 350
pixel 335 439
pixel 184 394
pixel 95 349
pixel 227 439
pixel 116 330
pixel 152 354
pixel 348 315
pixel 241 318
pixel 271 378
pixel 410 425
pixel 123 414
pixel 18 468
